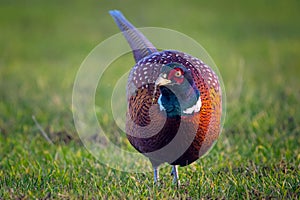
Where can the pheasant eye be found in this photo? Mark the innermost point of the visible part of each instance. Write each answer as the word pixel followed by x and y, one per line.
pixel 178 72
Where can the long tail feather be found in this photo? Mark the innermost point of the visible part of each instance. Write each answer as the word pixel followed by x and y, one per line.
pixel 139 44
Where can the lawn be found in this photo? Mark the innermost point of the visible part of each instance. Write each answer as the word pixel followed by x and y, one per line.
pixel 256 46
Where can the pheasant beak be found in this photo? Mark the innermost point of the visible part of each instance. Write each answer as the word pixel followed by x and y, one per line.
pixel 162 81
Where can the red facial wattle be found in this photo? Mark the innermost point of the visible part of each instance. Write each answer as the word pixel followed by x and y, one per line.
pixel 176 74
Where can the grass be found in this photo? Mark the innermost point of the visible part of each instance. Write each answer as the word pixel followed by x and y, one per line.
pixel 256 46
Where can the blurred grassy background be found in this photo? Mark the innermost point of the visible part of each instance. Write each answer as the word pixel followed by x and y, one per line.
pixel 255 44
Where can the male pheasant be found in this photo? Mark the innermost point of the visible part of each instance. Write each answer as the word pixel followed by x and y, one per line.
pixel 174 103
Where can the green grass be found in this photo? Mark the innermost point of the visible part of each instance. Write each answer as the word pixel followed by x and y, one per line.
pixel 256 46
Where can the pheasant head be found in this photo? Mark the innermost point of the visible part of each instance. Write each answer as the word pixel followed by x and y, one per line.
pixel 179 95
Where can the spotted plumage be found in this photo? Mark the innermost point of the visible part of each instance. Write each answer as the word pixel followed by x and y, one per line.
pixel 174 103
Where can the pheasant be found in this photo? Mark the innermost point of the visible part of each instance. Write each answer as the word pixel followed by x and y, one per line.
pixel 174 103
